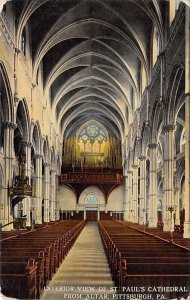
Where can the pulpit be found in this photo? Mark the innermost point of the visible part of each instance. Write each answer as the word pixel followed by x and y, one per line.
pixel 19 223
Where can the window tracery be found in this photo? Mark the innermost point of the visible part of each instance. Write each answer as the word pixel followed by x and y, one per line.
pixel 92 139
pixel 92 199
pixel 92 202
pixel 92 133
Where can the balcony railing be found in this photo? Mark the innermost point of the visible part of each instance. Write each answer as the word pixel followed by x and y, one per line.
pixel 86 178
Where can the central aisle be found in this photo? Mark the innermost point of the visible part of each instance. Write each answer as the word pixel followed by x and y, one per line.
pixel 84 268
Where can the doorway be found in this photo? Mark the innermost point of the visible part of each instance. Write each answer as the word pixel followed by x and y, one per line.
pixel 91 208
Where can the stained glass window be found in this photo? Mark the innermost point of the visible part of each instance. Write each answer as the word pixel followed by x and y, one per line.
pixel 92 199
pixel 92 133
pixel 91 202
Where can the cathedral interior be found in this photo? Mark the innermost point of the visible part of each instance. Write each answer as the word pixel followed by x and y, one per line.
pixel 94 131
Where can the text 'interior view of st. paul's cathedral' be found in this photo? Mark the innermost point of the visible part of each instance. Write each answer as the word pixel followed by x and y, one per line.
pixel 95 149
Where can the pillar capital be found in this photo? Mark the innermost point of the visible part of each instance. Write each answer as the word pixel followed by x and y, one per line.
pixel 152 146
pixel 47 165
pixel 27 144
pixel 16 96
pixel 33 85
pixel 168 128
pixel 17 51
pixel 9 125
pixel 141 158
pixel 134 166
pixel 32 122
pixel 38 156
pixel 187 95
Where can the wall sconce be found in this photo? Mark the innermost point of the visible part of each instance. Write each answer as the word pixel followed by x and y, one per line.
pixel 171 209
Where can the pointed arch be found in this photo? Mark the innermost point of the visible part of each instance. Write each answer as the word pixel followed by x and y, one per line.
pixel 46 149
pixel 22 116
pixel 6 99
pixel 53 160
pixel 175 92
pixel 36 137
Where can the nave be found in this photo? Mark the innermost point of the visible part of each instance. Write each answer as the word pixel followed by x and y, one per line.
pixel 95 126
pixel 70 258
pixel 95 106
pixel 84 267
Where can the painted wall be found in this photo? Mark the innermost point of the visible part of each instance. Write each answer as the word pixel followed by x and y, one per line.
pixel 115 199
pixel 66 198
pixel 95 190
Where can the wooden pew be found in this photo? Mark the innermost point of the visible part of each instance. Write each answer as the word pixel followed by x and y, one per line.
pixel 19 279
pixel 134 255
pixel 47 246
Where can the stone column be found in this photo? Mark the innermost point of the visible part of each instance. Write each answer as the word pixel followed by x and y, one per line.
pixel 56 199
pixel 16 211
pixel 8 175
pixel 85 213
pixel 1 201
pixel 152 206
pixel 126 200
pixel 46 192
pixel 53 195
pixel 135 193
pixel 177 205
pixel 16 61
pixel 130 195
pixel 142 217
pixel 38 196
pixel 168 177
pixel 106 210
pixel 27 201
pixel 98 214
pixel 77 208
pixel 187 125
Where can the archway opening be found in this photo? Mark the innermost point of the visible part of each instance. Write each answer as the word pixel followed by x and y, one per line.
pixel 92 207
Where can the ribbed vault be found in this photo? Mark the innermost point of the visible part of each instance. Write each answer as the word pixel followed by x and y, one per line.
pixel 95 56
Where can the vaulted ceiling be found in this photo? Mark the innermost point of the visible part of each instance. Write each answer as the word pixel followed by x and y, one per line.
pixel 94 54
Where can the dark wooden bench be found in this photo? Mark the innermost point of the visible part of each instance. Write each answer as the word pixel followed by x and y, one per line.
pixel 135 255
pixel 47 246
pixel 19 279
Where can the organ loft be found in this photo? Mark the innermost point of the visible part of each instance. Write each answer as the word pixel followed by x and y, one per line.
pixel 95 149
